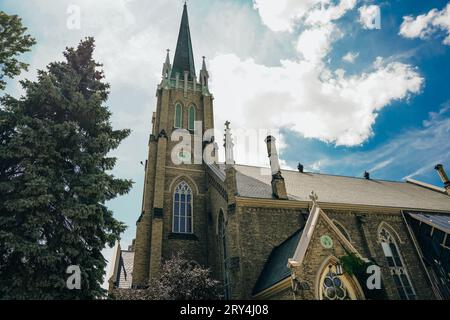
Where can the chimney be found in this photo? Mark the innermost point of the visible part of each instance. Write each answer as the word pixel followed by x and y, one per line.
pixel 278 186
pixel 300 167
pixel 366 175
pixel 440 169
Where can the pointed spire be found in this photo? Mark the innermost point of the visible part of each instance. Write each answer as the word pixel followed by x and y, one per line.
pixel 167 66
pixel 168 57
pixel 184 57
pixel 204 76
pixel 204 64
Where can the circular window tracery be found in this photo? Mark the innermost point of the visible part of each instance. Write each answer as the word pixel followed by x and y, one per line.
pixel 333 286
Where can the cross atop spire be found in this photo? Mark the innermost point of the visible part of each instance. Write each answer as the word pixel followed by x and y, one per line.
pixel 184 57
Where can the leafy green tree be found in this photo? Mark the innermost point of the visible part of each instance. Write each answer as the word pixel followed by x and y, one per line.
pixel 55 180
pixel 179 280
pixel 13 41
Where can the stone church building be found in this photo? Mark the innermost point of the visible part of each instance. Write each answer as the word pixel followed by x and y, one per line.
pixel 285 235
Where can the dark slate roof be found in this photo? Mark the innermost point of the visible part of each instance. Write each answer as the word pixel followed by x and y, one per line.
pixel 125 271
pixel 276 268
pixel 254 182
pixel 439 221
pixel 184 57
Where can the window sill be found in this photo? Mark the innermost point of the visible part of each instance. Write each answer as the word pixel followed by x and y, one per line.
pixel 183 236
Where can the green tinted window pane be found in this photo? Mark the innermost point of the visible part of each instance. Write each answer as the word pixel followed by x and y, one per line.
pixel 426 229
pixel 191 117
pixel 397 280
pixel 409 291
pixel 438 235
pixel 394 250
pixel 405 280
pixel 390 262
pixel 401 293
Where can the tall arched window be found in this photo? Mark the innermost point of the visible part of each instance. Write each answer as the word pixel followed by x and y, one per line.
pixel 182 209
pixel 223 240
pixel 178 119
pixel 396 265
pixel 191 118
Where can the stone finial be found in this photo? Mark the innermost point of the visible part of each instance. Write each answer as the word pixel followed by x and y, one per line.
pixel 167 67
pixel 314 197
pixel 228 144
pixel 204 76
pixel 204 64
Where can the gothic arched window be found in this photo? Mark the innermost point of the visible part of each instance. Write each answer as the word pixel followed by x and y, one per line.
pixel 182 209
pixel 191 118
pixel 396 265
pixel 178 119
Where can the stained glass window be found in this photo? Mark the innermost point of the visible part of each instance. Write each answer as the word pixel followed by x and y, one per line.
pixel 333 287
pixel 396 266
pixel 191 118
pixel 182 209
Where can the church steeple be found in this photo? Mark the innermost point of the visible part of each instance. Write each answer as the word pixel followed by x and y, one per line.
pixel 184 57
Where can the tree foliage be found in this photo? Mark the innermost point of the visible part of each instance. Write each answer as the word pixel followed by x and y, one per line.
pixel 13 42
pixel 355 266
pixel 179 280
pixel 55 180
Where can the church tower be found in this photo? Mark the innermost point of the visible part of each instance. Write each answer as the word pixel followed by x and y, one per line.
pixel 174 217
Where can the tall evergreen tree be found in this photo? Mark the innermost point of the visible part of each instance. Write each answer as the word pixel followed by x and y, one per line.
pixel 55 180
pixel 13 41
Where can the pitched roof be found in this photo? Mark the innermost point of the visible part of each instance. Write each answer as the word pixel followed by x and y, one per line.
pixel 125 270
pixel 276 268
pixel 254 182
pixel 438 221
pixel 184 57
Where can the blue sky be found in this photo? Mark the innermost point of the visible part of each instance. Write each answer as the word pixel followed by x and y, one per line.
pixel 278 65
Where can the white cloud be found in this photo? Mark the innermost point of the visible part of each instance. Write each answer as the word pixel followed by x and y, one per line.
pixel 350 57
pixel 424 25
pixel 282 15
pixel 303 94
pixel 296 95
pixel 328 12
pixel 369 16
pixel 314 44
